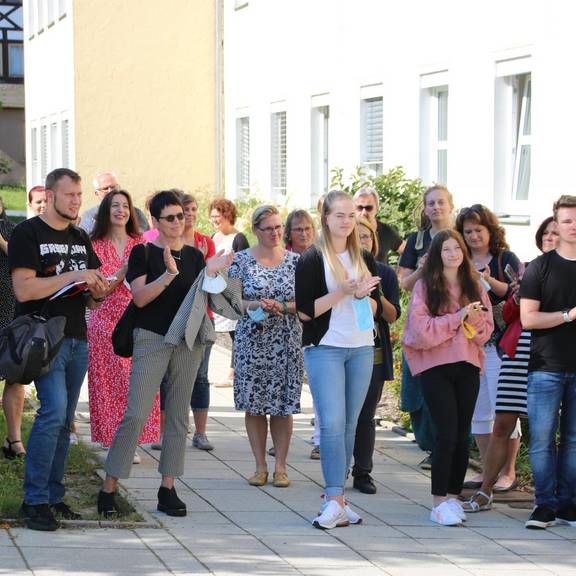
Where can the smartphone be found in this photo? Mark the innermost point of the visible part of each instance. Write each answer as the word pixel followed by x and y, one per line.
pixel 511 273
pixel 485 283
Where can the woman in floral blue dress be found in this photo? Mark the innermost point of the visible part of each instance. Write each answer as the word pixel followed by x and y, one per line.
pixel 267 347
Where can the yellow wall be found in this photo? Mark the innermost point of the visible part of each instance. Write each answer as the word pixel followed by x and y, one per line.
pixel 145 93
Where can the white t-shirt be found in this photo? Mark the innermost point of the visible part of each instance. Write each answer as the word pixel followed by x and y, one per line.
pixel 342 331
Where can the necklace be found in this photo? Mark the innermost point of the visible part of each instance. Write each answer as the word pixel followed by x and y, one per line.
pixel 179 257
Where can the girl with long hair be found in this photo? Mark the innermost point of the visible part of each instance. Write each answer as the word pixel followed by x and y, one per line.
pixel 336 299
pixel 449 321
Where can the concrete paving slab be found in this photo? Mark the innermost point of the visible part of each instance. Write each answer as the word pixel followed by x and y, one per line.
pixel 108 539
pixel 5 539
pixel 11 561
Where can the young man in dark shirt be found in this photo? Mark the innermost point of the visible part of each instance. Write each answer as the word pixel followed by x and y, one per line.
pixel 46 254
pixel 548 308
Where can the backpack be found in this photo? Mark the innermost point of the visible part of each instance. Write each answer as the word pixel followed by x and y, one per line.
pixel 28 345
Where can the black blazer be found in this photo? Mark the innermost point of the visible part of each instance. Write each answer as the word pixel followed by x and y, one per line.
pixel 311 285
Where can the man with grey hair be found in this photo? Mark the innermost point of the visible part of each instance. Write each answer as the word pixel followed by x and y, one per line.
pixel 105 183
pixel 367 204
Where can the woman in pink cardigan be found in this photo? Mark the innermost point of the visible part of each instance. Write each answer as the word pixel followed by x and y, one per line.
pixel 449 321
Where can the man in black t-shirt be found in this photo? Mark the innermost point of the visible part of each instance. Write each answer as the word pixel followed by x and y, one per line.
pixel 367 203
pixel 46 254
pixel 548 308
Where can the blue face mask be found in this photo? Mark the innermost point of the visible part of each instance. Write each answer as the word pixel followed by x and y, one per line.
pixel 363 313
pixel 257 315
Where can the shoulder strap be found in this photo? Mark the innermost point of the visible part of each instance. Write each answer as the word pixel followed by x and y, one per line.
pixel 419 240
pixel 501 276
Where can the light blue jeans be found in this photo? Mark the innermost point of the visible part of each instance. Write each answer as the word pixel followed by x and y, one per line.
pixel 339 380
pixel 553 469
pixel 49 440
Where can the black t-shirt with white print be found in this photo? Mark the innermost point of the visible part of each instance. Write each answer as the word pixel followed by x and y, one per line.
pixel 551 279
pixel 37 246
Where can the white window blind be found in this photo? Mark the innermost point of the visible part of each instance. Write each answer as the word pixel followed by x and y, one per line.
pixel 442 135
pixel 320 119
pixel 372 132
pixel 34 153
pixel 54 160
pixel 243 154
pixel 279 152
pixel 65 144
pixel 43 152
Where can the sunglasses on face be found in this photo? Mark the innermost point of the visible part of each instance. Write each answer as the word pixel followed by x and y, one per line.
pixel 359 208
pixel 171 217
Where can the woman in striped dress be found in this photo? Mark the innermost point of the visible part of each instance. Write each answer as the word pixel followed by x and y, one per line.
pixel 512 384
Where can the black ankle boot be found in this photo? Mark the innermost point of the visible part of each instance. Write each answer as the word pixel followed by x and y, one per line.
pixel 169 503
pixel 365 484
pixel 107 506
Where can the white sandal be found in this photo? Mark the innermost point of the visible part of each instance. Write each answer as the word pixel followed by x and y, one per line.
pixel 478 503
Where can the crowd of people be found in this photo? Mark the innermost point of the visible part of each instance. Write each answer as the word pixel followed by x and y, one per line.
pixel 487 340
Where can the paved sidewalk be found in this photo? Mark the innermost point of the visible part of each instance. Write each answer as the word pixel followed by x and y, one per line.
pixel 233 528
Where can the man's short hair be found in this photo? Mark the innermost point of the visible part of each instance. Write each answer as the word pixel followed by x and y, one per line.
pixel 565 201
pixel 56 175
pixel 368 191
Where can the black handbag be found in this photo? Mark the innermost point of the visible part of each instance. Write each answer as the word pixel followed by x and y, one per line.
pixel 123 334
pixel 123 337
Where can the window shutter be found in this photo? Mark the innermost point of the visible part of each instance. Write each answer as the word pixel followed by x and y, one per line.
pixel 373 130
pixel 278 148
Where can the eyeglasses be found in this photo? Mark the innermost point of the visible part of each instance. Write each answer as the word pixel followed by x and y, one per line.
pixel 368 208
pixel 271 229
pixel 171 217
pixel 301 230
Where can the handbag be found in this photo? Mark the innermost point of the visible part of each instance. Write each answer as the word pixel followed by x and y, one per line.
pixel 123 334
pixel 28 345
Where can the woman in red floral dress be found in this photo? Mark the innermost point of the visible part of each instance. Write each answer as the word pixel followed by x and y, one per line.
pixel 115 233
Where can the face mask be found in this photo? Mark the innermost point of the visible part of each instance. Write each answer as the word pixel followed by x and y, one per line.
pixel 257 315
pixel 363 313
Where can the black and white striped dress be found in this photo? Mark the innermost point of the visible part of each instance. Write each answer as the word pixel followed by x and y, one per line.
pixel 513 378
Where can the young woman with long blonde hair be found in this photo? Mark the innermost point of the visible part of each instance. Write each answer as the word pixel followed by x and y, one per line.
pixel 337 299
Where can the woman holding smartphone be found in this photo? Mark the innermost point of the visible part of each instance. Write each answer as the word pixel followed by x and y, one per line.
pixel 449 321
pixel 337 301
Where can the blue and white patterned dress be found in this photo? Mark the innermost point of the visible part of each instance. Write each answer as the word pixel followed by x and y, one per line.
pixel 268 364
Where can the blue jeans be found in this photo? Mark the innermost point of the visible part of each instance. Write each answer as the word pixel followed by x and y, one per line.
pixel 553 469
pixel 339 380
pixel 49 439
pixel 200 400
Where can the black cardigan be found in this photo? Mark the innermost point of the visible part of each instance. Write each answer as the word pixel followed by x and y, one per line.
pixel 311 285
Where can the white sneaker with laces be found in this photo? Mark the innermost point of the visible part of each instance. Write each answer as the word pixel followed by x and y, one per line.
pixel 457 507
pixel 444 514
pixel 353 517
pixel 331 516
pixel 136 459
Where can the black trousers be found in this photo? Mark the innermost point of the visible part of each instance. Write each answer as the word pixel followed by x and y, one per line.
pixel 366 429
pixel 450 391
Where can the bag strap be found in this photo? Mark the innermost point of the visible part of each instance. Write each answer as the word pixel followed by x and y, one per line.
pixel 501 276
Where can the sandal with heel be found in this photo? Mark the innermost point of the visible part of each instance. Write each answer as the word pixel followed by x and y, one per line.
pixel 9 452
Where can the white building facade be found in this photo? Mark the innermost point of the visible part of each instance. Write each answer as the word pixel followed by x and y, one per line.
pixel 473 95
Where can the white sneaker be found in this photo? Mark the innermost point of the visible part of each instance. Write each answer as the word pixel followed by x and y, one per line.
pixel 137 458
pixel 332 516
pixel 444 514
pixel 353 517
pixel 73 438
pixel 457 508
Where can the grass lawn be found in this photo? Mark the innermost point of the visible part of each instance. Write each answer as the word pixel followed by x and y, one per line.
pixel 14 197
pixel 82 482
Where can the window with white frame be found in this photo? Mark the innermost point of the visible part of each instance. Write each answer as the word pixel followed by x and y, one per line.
pixel 434 128
pixel 243 155
pixel 372 135
pixel 278 153
pixel 65 144
pixel 320 170
pixel 43 152
pixel 34 154
pixel 54 148
pixel 513 135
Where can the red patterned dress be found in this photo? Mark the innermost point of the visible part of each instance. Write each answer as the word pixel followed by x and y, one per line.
pixel 108 374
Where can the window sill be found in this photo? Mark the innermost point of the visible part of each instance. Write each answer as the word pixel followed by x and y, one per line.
pixel 514 219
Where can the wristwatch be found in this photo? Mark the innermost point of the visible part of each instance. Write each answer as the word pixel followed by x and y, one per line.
pixel 566 315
